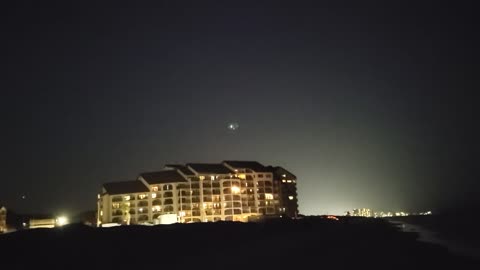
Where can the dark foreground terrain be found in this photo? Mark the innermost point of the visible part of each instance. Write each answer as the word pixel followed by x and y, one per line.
pixel 459 228
pixel 309 243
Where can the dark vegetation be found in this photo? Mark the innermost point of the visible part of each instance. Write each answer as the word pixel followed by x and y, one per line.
pixel 310 243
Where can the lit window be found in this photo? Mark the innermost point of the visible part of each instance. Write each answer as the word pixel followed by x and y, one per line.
pixel 98 196
pixel 154 195
pixel 242 176
pixel 201 177
pixel 126 198
pixel 181 213
pixel 289 181
pixel 142 196
pixel 290 197
pixel 115 205
pixel 140 210
pixel 235 189
pixel 284 181
pixel 212 177
pixel 101 213
pixel 284 175
pixel 155 188
pixel 268 196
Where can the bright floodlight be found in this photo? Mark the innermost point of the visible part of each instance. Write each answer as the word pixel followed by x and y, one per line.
pixel 62 221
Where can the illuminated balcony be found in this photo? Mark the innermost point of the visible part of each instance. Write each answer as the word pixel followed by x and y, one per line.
pixel 195 186
pixel 117 213
pixel 142 218
pixel 184 200
pixel 117 199
pixel 234 211
pixel 232 198
pixel 233 205
pixel 142 204
pixel 185 207
pixel 183 186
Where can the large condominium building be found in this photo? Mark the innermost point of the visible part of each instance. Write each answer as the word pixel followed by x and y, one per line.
pixel 3 219
pixel 199 192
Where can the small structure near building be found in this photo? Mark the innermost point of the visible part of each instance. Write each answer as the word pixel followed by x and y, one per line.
pixel 3 219
pixel 47 222
pixel 41 223
pixel 166 219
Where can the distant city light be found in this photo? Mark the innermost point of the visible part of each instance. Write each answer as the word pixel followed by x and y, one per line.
pixel 365 212
pixel 61 221
pixel 233 126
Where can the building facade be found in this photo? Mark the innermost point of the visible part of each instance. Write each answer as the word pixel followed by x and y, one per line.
pixel 362 212
pixel 200 192
pixel 3 219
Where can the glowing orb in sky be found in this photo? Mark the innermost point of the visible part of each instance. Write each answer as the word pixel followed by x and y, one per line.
pixel 233 126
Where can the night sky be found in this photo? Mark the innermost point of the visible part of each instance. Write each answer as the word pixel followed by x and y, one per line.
pixel 369 105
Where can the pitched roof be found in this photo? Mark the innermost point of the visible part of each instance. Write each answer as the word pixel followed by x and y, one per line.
pixel 181 168
pixel 206 168
pixel 161 177
pixel 278 172
pixel 252 165
pixel 123 187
